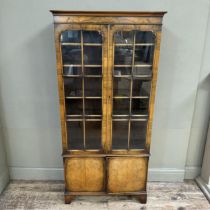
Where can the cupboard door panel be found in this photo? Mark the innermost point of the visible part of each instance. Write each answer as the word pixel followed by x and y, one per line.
pixel 127 174
pixel 84 174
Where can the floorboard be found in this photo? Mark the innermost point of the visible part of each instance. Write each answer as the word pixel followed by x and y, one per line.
pixel 49 195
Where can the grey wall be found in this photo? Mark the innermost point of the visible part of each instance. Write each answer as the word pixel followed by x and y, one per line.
pixel 28 87
pixel 201 115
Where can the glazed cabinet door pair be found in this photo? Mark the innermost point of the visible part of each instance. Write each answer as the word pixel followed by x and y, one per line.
pixel 106 74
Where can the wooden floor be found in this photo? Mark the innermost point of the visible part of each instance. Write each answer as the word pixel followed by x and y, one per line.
pixel 49 195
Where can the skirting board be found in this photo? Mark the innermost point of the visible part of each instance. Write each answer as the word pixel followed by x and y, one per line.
pixel 204 187
pixel 192 172
pixel 4 179
pixel 155 174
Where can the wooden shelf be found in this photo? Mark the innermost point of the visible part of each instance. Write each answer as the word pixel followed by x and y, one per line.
pixel 80 65
pixel 86 97
pixel 79 44
pixel 130 65
pixel 86 76
pixel 131 45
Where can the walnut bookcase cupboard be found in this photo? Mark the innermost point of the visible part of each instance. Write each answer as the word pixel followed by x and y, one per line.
pixel 107 64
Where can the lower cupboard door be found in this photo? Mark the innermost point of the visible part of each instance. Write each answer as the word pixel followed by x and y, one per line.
pixel 127 174
pixel 84 174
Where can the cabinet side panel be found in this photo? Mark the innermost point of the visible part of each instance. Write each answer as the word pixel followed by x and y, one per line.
pixel 60 88
pixel 153 89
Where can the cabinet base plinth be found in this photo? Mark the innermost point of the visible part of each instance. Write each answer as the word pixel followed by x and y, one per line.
pixel 142 198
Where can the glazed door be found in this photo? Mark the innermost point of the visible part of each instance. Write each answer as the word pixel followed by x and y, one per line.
pixel 107 74
pixel 132 78
pixel 82 82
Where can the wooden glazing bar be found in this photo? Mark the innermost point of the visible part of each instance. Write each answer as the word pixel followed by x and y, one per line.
pixel 131 90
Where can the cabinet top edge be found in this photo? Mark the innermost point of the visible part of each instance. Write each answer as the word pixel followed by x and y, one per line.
pixel 110 13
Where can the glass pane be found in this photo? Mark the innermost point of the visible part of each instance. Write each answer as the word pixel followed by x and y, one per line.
pixel 71 36
pixel 93 134
pixel 75 135
pixel 71 54
pixel 142 71
pixel 123 37
pixel 73 86
pixel 122 71
pixel 70 70
pixel 138 134
pixel 121 87
pixel 93 87
pixel 93 107
pixel 140 106
pixel 93 55
pixel 121 107
pixel 93 71
pixel 119 134
pixel 144 55
pixel 74 106
pixel 145 37
pixel 123 55
pixel 92 37
pixel 141 88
